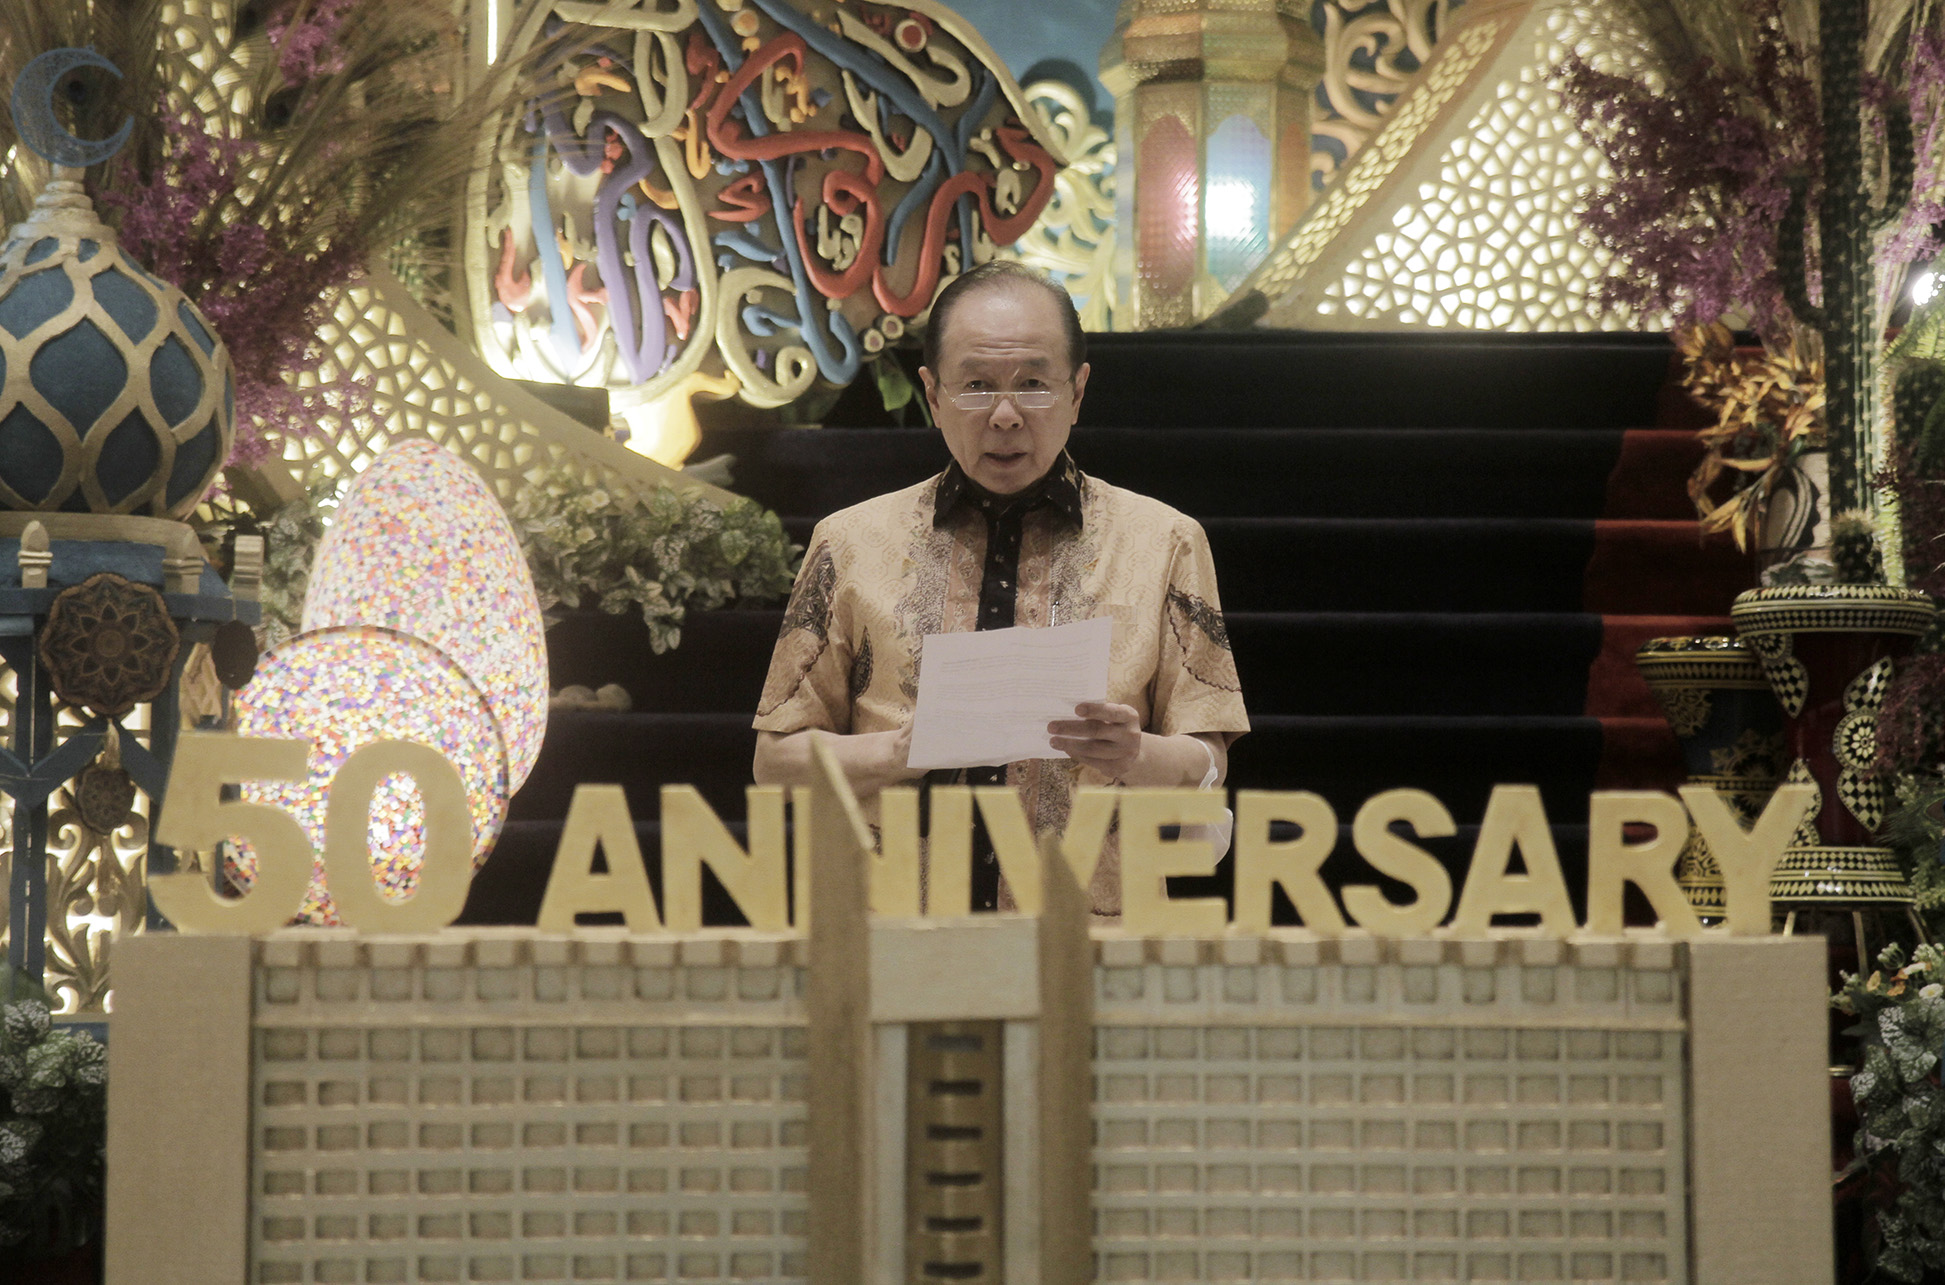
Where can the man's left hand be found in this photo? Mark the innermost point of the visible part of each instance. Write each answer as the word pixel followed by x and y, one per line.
pixel 1101 735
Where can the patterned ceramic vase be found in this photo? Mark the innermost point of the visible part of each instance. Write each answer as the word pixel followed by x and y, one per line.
pixel 1829 651
pixel 1720 707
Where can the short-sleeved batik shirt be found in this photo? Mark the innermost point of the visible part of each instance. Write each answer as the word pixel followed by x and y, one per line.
pixel 881 575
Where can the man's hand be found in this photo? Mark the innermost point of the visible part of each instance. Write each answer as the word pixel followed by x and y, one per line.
pixel 1101 735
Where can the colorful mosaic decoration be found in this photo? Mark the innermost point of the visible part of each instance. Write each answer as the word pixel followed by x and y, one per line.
pixel 748 191
pixel 420 545
pixel 344 688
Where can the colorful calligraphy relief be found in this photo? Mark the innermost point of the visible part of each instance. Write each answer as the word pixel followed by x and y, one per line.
pixel 756 194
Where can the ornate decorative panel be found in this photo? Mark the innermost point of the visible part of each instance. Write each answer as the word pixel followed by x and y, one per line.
pixel 1372 50
pixel 1460 212
pixel 752 194
pixel 96 880
pixel 1422 1114
pixel 1074 237
pixel 427 384
pixel 1492 242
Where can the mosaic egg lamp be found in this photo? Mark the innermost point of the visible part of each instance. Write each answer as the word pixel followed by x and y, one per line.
pixel 115 394
pixel 421 545
pixel 344 688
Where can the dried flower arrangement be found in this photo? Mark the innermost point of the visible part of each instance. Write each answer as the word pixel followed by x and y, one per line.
pixel 1769 411
pixel 1713 214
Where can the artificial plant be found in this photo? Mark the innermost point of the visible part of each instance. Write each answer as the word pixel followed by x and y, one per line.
pixel 53 1132
pixel 665 553
pixel 1900 1009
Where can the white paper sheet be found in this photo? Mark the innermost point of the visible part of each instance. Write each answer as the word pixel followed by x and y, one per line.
pixel 985 698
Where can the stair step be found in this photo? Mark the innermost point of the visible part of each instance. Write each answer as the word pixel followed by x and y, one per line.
pixel 1470 565
pixel 1403 663
pixel 641 752
pixel 1318 662
pixel 1458 758
pixel 1294 379
pixel 718 667
pixel 1496 472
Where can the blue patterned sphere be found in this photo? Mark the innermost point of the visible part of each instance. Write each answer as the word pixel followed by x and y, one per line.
pixel 115 394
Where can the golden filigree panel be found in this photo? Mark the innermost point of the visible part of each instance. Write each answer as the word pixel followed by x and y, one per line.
pixel 96 882
pixel 1074 237
pixel 1416 114
pixel 1373 49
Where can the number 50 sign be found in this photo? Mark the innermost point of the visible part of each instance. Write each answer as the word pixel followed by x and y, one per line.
pixel 195 816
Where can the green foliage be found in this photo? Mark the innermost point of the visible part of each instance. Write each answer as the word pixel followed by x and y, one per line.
pixel 1914 830
pixel 665 554
pixel 1901 1108
pixel 53 1132
pixel 291 535
pixel 676 551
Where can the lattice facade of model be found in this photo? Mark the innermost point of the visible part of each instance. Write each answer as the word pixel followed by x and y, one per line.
pixel 527 1110
pixel 1074 237
pixel 424 383
pixel 1461 211
pixel 519 1106
pixel 1423 1111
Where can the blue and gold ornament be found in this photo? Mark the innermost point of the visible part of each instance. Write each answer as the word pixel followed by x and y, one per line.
pixel 116 396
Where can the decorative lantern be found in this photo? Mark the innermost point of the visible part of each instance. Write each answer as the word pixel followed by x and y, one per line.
pixel 116 414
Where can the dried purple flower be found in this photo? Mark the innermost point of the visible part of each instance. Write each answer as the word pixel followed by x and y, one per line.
pixel 1702 177
pixel 265 293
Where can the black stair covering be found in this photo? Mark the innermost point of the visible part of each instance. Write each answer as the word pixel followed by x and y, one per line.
pixel 1402 527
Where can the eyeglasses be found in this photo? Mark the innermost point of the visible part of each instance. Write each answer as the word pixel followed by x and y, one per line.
pixel 1025 399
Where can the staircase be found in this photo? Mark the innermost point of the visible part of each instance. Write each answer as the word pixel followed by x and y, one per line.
pixel 1436 554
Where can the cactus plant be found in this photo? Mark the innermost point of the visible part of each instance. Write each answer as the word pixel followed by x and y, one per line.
pixel 1846 219
pixel 1853 548
pixel 1918 412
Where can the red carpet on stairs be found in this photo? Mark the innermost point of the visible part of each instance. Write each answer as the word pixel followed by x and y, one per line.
pixel 1653 574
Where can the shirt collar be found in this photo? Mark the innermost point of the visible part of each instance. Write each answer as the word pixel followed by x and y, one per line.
pixel 1058 489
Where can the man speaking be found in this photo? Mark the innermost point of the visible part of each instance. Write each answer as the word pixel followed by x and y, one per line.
pixel 1011 534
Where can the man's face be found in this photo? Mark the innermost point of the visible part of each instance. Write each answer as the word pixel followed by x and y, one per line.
pixel 1005 338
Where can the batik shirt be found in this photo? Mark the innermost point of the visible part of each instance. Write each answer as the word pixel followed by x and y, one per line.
pixel 945 556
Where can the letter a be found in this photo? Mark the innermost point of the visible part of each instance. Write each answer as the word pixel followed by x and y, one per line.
pixel 598 818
